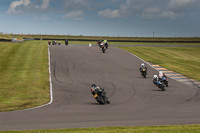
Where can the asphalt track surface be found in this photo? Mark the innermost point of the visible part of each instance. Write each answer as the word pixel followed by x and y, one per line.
pixel 135 101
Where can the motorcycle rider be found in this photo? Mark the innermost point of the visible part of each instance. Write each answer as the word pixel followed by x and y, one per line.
pixel 161 74
pixel 66 42
pixel 49 42
pixel 143 67
pixel 105 43
pixel 99 42
pixel 96 89
pixel 155 79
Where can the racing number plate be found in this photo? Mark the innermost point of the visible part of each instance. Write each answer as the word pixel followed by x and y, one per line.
pixel 95 95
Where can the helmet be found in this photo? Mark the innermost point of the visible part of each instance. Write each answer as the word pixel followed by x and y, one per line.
pixel 142 64
pixel 160 74
pixel 155 76
pixel 93 85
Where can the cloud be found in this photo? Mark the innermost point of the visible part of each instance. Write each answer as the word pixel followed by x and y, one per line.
pixel 45 4
pixel 26 6
pixel 146 9
pixel 156 13
pixel 77 4
pixel 129 8
pixel 108 13
pixel 17 4
pixel 76 14
pixel 133 6
pixel 150 9
pixel 181 5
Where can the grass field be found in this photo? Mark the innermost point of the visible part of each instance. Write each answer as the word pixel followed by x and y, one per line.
pixel 24 81
pixel 184 60
pixel 147 129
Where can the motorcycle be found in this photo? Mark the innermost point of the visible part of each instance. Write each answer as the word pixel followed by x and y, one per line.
pixel 165 80
pixel 103 48
pixel 160 84
pixel 144 72
pixel 100 95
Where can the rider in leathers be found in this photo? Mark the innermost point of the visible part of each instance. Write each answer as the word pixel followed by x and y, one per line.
pixel 95 89
pixel 143 67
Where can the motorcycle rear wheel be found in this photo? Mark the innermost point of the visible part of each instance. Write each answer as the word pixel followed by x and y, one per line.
pixel 166 84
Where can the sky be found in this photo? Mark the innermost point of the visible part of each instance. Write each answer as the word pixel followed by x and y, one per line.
pixel 131 18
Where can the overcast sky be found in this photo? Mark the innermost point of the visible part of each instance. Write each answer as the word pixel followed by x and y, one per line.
pixel 161 18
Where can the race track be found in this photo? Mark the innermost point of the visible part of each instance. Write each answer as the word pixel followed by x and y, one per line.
pixel 135 101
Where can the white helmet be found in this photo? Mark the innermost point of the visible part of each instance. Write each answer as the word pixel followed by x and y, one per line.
pixel 160 74
pixel 142 64
pixel 155 76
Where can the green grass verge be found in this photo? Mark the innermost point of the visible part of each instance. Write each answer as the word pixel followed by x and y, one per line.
pixel 139 129
pixel 183 60
pixel 24 81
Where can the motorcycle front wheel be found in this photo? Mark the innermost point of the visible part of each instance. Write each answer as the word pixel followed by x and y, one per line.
pixel 103 50
pixel 100 100
pixel 162 87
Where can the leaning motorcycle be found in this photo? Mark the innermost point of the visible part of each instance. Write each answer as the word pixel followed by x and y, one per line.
pixel 160 85
pixel 100 96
